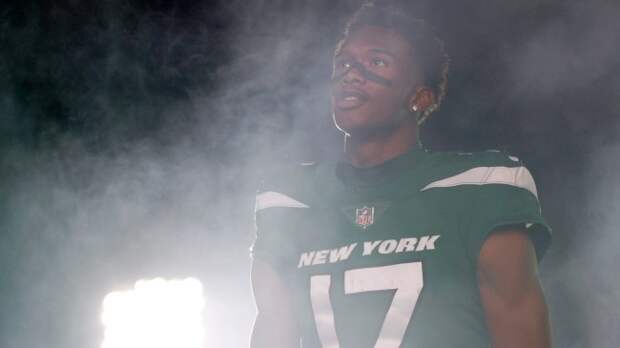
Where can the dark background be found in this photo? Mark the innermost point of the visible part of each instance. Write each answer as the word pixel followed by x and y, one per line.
pixel 133 135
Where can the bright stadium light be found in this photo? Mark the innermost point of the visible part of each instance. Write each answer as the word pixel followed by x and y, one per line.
pixel 156 313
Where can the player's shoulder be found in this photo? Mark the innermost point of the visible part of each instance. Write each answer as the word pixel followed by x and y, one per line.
pixel 455 169
pixel 287 177
pixel 287 185
pixel 468 160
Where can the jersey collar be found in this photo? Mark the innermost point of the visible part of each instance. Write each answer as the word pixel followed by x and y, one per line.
pixel 383 173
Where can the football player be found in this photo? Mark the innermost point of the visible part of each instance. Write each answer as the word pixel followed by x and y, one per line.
pixel 396 246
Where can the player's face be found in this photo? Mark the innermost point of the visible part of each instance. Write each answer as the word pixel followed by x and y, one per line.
pixel 372 80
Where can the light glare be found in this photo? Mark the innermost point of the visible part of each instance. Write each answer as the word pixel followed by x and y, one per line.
pixel 157 313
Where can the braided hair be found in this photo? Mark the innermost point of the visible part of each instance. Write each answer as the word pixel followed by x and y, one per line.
pixel 429 50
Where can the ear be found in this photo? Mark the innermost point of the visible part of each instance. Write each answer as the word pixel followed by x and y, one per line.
pixel 421 99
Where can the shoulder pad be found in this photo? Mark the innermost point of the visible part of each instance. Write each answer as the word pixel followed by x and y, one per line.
pixel 486 158
pixel 288 184
pixel 481 168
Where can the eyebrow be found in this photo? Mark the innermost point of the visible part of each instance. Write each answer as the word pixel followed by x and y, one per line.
pixel 373 50
pixel 383 51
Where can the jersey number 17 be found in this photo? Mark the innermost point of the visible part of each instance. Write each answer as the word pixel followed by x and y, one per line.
pixel 405 278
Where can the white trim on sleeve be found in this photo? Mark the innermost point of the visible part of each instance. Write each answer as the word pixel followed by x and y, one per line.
pixel 271 199
pixel 513 176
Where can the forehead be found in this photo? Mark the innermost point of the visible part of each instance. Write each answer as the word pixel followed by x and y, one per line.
pixel 367 38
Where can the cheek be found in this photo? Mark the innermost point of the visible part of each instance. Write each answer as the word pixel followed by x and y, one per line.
pixel 386 104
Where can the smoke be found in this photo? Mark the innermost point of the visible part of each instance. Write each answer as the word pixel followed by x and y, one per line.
pixel 567 70
pixel 598 256
pixel 562 102
pixel 565 86
pixel 134 136
pixel 133 139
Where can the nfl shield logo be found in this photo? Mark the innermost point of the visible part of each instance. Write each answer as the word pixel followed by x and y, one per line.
pixel 365 216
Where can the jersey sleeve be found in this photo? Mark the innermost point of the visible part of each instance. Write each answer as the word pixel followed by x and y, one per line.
pixel 273 226
pixel 506 197
pixel 279 204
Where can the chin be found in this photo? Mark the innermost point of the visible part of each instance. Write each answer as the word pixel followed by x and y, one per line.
pixel 356 123
pixel 348 122
pixel 356 129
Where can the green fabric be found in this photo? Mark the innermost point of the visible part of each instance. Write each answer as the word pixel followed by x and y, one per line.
pixel 447 312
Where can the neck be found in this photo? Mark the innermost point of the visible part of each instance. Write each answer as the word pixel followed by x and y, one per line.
pixel 373 149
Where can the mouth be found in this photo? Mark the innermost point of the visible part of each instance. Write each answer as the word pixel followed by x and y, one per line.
pixel 349 99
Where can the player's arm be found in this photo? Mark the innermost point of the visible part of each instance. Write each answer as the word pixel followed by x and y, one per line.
pixel 512 297
pixel 275 325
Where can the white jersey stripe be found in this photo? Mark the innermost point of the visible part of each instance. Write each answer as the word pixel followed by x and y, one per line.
pixel 271 199
pixel 513 176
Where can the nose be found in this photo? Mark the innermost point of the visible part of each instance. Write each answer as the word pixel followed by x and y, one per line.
pixel 350 73
pixel 353 74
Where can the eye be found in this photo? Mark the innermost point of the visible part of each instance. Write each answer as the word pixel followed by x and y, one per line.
pixel 379 62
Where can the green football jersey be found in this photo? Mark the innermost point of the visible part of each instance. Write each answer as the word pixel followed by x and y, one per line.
pixel 387 256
